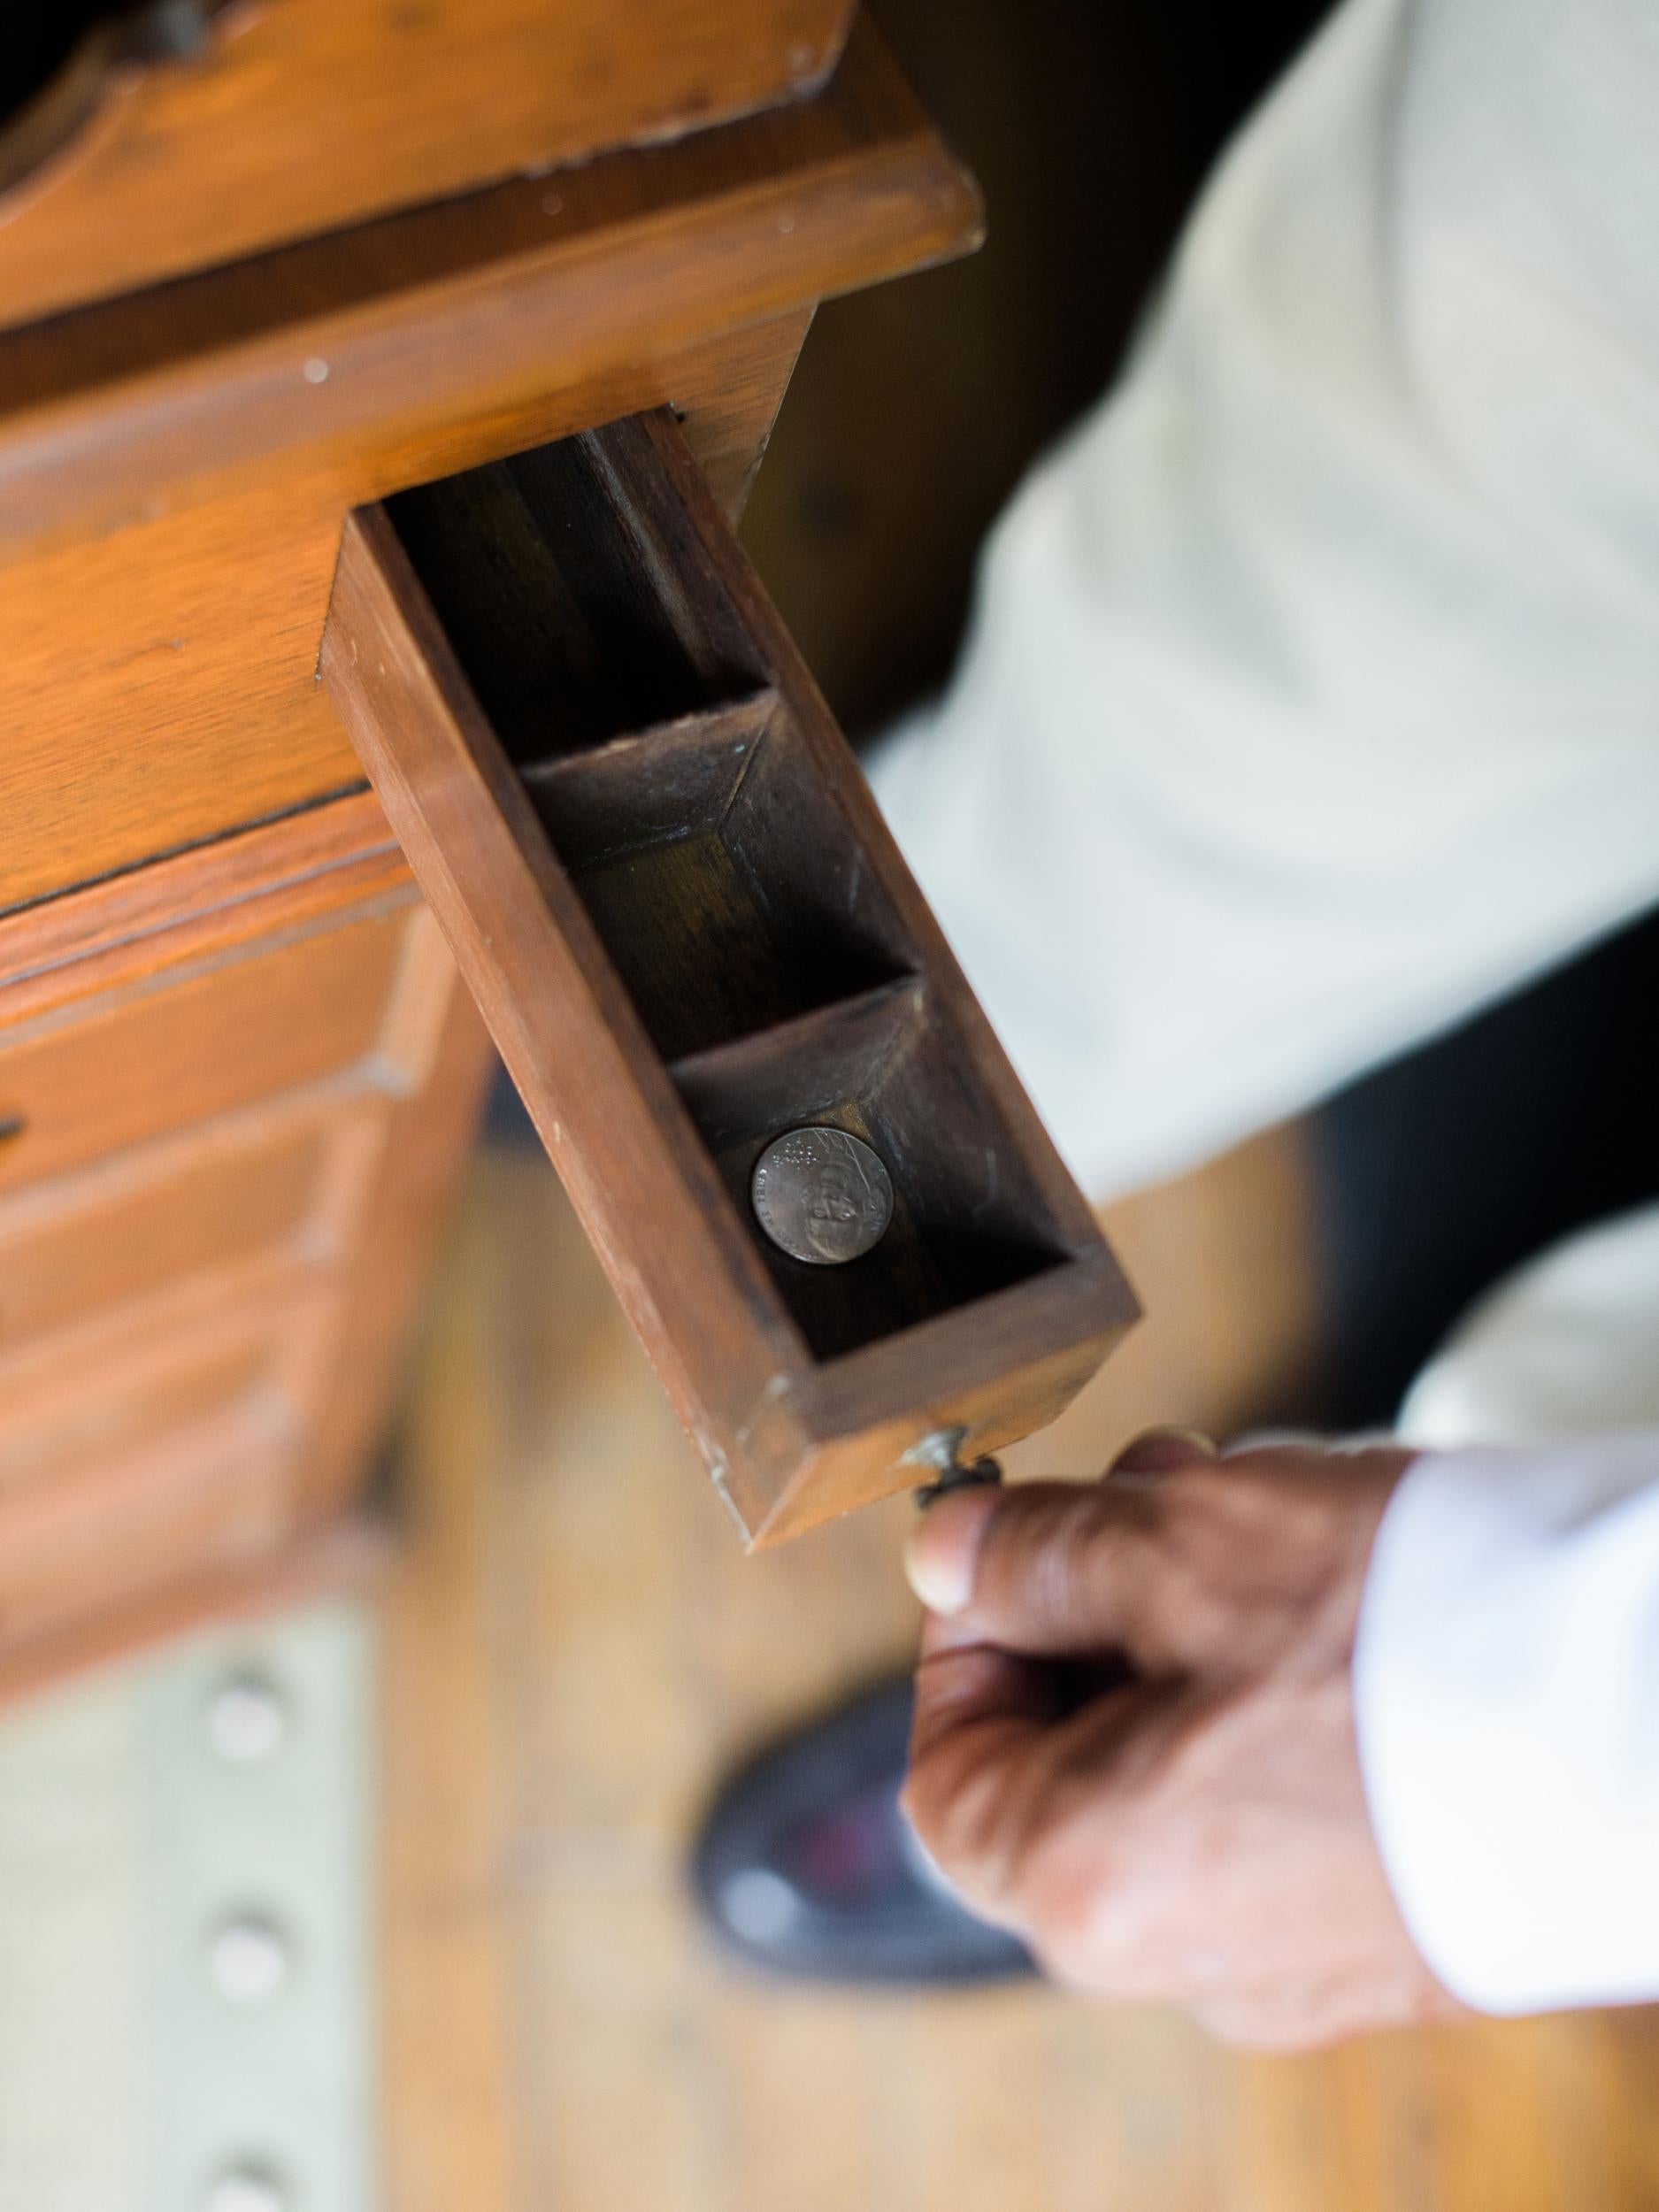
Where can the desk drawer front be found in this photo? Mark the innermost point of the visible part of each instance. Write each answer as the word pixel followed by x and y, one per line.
pixel 161 1059
pixel 98 1393
pixel 209 1495
pixel 265 1184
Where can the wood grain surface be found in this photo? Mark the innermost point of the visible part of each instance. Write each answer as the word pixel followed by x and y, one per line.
pixel 721 879
pixel 297 116
pixel 233 1124
pixel 174 467
pixel 331 358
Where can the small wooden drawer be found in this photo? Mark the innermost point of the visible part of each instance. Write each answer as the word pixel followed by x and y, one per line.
pixel 265 1184
pixel 664 878
pixel 87 1085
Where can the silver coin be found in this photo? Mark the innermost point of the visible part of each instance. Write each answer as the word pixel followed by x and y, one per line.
pixel 822 1195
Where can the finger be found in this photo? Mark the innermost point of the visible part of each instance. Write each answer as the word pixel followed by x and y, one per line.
pixel 1160 1451
pixel 1054 1568
pixel 1021 1821
pixel 980 1715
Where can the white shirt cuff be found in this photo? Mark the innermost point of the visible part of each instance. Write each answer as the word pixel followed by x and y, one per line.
pixel 1507 1694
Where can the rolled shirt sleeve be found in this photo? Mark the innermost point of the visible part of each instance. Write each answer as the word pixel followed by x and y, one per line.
pixel 1312 695
pixel 1507 1694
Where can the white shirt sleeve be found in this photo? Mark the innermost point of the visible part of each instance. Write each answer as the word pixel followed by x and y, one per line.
pixel 1507 1686
pixel 1312 696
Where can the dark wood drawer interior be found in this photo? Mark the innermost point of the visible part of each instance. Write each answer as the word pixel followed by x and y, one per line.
pixel 664 877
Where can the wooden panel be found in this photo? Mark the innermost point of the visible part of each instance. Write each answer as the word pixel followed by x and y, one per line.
pixel 302 115
pixel 674 932
pixel 329 360
pixel 251 1272
pixel 209 1496
pixel 194 634
pixel 262 1183
pixel 349 1556
pixel 105 1390
pixel 76 1091
pixel 278 876
pixel 383 1277
pixel 173 480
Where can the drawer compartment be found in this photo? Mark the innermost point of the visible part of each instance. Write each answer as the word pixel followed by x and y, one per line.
pixel 77 1088
pixel 967 1220
pixel 664 878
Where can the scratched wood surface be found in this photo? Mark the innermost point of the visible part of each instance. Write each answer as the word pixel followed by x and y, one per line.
pixel 576 1648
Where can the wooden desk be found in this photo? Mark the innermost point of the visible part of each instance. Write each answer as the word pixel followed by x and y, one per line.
pixel 330 249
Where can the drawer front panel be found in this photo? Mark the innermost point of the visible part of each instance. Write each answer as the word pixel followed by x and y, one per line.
pixel 184 1053
pixel 240 1080
pixel 316 114
pixel 220 1200
pixel 100 1394
pixel 206 1496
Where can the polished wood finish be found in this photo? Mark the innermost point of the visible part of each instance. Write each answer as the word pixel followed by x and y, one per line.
pixel 384 1268
pixel 428 324
pixel 236 1116
pixel 276 1179
pixel 688 929
pixel 346 1555
pixel 168 471
pixel 299 116
pixel 210 1494
pixel 237 1064
pixel 195 639
pixel 211 1043
pixel 128 1382
pixel 276 876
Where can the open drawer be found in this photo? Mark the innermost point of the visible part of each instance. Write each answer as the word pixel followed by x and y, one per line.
pixel 664 878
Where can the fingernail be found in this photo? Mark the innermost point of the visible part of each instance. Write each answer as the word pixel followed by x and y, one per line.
pixel 943 1548
pixel 1157 1451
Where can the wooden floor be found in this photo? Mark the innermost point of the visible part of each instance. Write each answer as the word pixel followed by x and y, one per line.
pixel 576 1648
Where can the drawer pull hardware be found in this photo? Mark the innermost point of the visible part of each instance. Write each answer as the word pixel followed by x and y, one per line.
pixel 12 1128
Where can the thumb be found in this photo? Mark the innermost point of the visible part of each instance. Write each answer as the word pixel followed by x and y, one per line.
pixel 1052 1569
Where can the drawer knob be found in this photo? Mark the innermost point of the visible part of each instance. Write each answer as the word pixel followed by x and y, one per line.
pixel 11 1126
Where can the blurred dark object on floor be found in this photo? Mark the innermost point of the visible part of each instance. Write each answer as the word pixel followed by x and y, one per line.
pixel 1441 1172
pixel 917 406
pixel 805 1867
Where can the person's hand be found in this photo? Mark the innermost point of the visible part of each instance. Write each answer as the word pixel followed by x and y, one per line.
pixel 1134 1734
